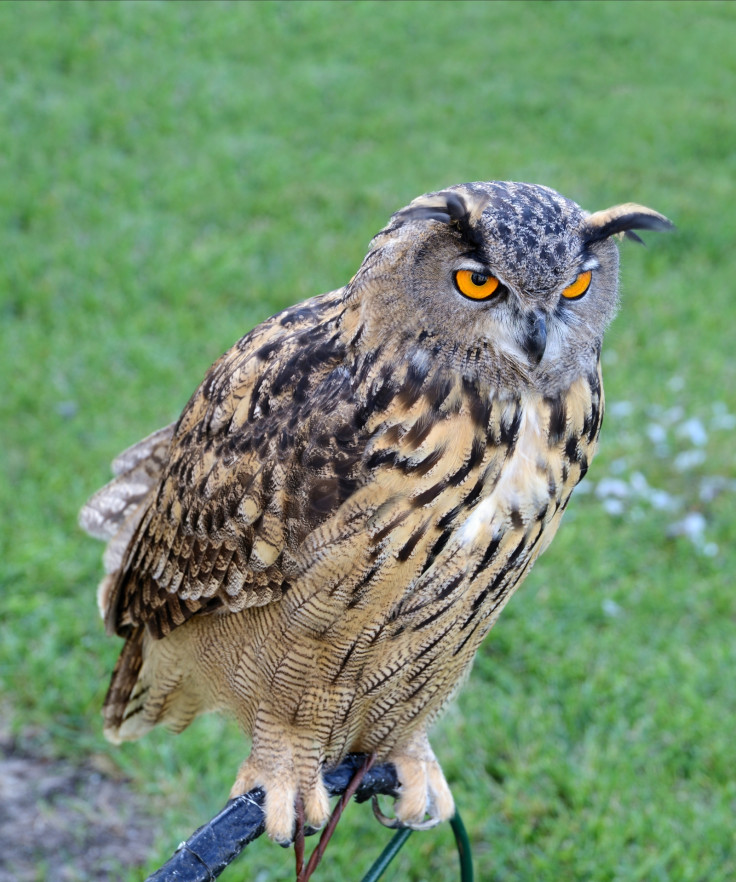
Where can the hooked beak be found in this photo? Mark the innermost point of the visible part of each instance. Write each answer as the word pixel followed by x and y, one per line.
pixel 535 339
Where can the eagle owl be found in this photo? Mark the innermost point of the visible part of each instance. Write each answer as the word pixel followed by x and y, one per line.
pixel 322 540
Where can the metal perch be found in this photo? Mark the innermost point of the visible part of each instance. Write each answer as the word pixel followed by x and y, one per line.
pixel 212 847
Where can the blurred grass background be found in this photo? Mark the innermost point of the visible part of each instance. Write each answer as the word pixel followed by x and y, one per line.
pixel 172 173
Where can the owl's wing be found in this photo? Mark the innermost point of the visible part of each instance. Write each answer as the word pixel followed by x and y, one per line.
pixel 202 513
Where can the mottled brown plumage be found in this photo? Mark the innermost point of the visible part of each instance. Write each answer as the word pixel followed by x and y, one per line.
pixel 348 501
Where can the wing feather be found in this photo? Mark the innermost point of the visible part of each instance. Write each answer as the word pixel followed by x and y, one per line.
pixel 237 485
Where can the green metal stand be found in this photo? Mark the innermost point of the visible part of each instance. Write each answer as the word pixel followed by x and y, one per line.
pixel 463 848
pixel 399 839
pixel 387 855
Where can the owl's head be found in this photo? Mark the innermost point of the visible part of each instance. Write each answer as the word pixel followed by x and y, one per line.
pixel 509 282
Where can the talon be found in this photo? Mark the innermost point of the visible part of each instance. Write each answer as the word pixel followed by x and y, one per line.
pixel 391 823
pixel 396 824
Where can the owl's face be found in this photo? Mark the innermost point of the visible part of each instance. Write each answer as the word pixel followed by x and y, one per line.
pixel 510 282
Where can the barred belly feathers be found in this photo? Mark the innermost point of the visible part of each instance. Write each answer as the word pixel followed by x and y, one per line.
pixel 322 540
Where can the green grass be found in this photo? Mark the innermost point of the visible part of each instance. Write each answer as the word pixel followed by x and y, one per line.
pixel 173 173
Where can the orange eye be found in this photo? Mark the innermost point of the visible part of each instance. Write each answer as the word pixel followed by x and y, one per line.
pixel 476 286
pixel 579 286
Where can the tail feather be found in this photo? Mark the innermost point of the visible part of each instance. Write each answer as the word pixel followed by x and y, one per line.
pixel 115 710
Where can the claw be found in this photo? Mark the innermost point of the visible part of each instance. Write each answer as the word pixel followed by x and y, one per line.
pixel 391 823
pixel 396 824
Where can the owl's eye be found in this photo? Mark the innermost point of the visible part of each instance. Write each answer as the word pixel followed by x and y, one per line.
pixel 476 286
pixel 579 286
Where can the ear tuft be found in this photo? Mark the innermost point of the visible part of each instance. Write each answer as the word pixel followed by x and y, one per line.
pixel 623 219
pixel 460 210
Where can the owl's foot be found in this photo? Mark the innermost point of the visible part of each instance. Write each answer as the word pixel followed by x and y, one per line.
pixel 283 784
pixel 424 795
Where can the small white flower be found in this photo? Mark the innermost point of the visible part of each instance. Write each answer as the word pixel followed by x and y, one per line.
pixel 688 459
pixel 656 433
pixel 694 431
pixel 725 421
pixel 692 526
pixel 663 501
pixel 612 487
pixel 639 484
pixel 613 506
